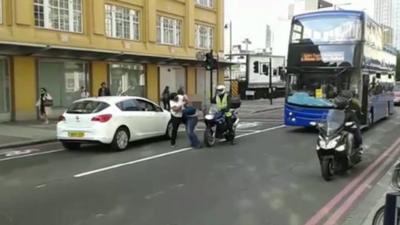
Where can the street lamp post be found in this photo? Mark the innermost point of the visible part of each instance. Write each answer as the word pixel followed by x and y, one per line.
pixel 230 54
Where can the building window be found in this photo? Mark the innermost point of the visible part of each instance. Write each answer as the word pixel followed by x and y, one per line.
pixel 127 79
pixel 169 31
pixel 63 15
pixel 204 37
pixel 205 3
pixel 122 22
pixel 1 11
pixel 4 91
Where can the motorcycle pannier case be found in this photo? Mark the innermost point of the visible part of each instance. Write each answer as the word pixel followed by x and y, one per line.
pixel 235 102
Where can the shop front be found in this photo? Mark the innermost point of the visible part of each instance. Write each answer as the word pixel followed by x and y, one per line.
pixel 174 77
pixel 127 79
pixel 5 112
pixel 64 80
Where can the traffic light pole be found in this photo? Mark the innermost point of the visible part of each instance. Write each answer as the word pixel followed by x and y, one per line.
pixel 270 80
pixel 211 83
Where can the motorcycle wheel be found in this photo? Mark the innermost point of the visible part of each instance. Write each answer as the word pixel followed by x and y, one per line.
pixel 327 169
pixel 342 166
pixel 233 135
pixel 209 137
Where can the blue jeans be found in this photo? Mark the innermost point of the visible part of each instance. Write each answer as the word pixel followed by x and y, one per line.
pixel 191 123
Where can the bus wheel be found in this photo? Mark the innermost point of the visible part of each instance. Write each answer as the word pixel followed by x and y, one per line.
pixel 390 110
pixel 370 118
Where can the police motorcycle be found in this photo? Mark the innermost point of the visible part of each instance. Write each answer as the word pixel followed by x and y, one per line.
pixel 216 126
pixel 336 144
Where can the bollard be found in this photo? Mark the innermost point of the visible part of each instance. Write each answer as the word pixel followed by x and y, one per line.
pixel 391 207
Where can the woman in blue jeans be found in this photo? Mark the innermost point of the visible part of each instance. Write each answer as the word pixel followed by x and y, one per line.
pixel 190 117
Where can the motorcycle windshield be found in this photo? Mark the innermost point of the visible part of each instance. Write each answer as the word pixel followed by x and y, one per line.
pixel 334 121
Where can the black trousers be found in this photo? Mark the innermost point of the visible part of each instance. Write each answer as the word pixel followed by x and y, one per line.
pixel 229 123
pixel 166 104
pixel 176 121
pixel 357 136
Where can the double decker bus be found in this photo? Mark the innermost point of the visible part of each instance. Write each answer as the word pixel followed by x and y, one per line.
pixel 333 51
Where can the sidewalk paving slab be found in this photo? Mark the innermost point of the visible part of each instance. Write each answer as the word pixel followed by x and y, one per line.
pixel 16 134
pixel 363 213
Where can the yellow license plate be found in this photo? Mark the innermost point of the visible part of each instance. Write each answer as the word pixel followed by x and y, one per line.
pixel 76 134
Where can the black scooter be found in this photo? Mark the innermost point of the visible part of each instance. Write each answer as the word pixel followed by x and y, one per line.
pixel 336 145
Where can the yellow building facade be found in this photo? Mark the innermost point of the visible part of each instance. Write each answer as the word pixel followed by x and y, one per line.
pixel 138 47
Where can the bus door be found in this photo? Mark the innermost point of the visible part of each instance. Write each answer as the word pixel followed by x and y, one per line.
pixel 365 100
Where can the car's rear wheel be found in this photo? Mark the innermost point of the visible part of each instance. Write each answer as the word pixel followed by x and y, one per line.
pixel 71 145
pixel 121 139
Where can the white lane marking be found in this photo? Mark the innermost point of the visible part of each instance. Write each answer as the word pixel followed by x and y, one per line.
pixel 246 125
pixel 20 152
pixel 41 186
pixel 161 155
pixel 261 131
pixel 131 162
pixel 34 154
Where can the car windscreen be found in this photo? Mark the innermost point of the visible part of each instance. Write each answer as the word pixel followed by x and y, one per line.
pixel 87 107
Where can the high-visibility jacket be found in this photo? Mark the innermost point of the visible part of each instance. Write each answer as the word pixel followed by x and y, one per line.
pixel 222 104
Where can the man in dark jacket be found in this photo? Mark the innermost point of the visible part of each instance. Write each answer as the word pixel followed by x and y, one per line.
pixel 104 90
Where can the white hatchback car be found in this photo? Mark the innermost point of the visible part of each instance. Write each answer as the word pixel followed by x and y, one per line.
pixel 112 120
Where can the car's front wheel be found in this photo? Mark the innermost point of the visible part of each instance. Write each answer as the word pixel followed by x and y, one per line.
pixel 121 139
pixel 71 145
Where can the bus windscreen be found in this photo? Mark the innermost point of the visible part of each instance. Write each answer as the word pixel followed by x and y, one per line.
pixel 326 29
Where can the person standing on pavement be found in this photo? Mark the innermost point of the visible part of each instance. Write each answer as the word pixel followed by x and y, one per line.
pixel 104 90
pixel 165 98
pixel 176 115
pixel 191 117
pixel 44 103
pixel 84 93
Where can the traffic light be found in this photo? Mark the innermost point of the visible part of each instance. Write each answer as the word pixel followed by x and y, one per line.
pixel 281 71
pixel 210 62
pixel 265 69
pixel 256 67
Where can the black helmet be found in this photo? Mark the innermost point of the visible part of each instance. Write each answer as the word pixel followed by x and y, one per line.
pixel 341 102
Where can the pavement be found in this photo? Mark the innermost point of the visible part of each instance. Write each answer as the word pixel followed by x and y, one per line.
pixel 270 177
pixel 364 212
pixel 16 134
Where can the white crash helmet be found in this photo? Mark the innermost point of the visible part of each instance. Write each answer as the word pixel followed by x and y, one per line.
pixel 221 89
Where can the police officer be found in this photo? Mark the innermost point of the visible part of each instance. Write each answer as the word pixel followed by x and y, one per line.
pixel 223 103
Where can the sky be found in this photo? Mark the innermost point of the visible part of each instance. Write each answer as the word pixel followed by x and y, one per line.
pixel 250 17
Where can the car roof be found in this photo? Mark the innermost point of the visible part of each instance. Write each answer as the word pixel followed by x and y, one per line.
pixel 113 99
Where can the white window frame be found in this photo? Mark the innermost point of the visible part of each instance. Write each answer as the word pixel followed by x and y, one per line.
pixel 174 25
pixel 209 42
pixel 71 15
pixel 134 21
pixel 206 3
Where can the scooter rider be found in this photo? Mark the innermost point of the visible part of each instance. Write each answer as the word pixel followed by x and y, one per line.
pixel 223 103
pixel 353 113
